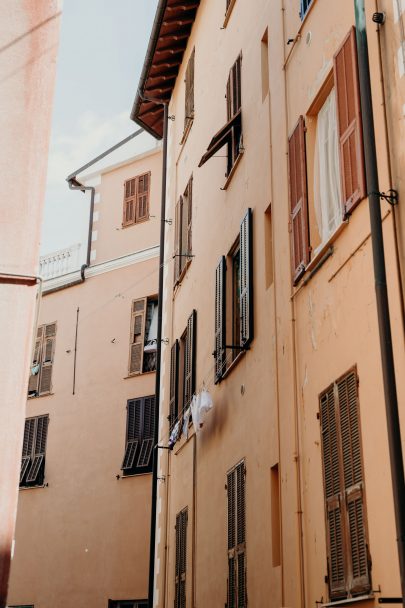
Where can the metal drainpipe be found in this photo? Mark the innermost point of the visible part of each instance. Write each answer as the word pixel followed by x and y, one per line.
pixel 75 185
pixel 158 358
pixel 387 355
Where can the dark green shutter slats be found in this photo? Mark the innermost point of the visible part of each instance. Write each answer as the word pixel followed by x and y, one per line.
pixel 236 496
pixel 174 383
pixel 140 433
pixel 190 359
pixel 220 319
pixel 181 559
pixel 246 279
pixel 33 452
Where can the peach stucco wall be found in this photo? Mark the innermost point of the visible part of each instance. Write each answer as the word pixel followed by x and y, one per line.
pixel 84 537
pixel 29 35
pixel 305 337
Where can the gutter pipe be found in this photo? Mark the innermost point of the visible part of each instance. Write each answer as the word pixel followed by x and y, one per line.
pixel 74 184
pixel 386 348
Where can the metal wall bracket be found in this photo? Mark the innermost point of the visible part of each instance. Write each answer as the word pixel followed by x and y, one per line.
pixel 391 196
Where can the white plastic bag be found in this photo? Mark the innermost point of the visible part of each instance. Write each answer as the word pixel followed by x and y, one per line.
pixel 205 405
pixel 195 411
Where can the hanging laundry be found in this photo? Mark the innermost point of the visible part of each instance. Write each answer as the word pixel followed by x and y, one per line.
pixel 195 411
pixel 186 419
pixel 175 434
pixel 205 405
pixel 150 343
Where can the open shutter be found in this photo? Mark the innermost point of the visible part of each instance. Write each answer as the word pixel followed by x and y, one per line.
pixel 137 336
pixel 148 432
pixel 184 232
pixel 28 442
pixel 189 359
pixel 241 534
pixel 333 496
pixel 188 242
pixel 128 214
pixel 181 559
pixel 177 240
pixel 47 354
pixel 142 197
pixel 232 578
pixel 349 123
pixel 298 200
pixel 220 319
pixel 189 95
pixel 39 447
pixel 35 371
pixel 134 426
pixel 359 575
pixel 246 279
pixel 174 384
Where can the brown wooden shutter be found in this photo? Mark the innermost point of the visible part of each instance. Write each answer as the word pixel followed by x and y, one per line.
pixel 189 94
pixel 181 559
pixel 220 319
pixel 174 384
pixel 298 200
pixel 190 359
pixel 246 279
pixel 358 562
pixel 148 432
pixel 128 214
pixel 333 496
pixel 47 353
pixel 137 336
pixel 38 450
pixel 349 123
pixel 142 197
pixel 177 240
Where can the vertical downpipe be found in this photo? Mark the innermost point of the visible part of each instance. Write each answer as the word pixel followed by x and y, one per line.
pixel 158 366
pixel 384 326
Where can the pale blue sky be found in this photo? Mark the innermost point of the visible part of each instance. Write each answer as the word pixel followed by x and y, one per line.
pixel 101 53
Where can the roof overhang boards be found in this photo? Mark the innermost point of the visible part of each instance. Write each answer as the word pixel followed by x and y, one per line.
pixel 168 41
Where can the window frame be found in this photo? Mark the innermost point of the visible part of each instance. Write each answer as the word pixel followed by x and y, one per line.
pixel 33 459
pixel 180 570
pixel 133 454
pixel 46 334
pixel 134 198
pixel 236 534
pixel 132 340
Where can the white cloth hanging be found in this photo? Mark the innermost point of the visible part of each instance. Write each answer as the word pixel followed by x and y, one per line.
pixel 152 333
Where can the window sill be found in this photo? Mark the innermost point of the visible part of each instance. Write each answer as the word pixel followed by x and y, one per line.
pixel 137 375
pixel 186 131
pixel 39 396
pixel 123 226
pixel 325 246
pixel 234 363
pixel 228 13
pixel 232 171
pixel 134 475
pixel 350 600
pixel 44 485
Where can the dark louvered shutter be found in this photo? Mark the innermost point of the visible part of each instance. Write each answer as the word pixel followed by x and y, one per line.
pixel 246 279
pixel 129 203
pixel 190 359
pixel 184 233
pixel 38 452
pixel 189 96
pixel 28 442
pixel 220 319
pixel 359 576
pixel 35 371
pixel 298 200
pixel 177 240
pixel 148 430
pixel 134 426
pixel 236 537
pixel 47 354
pixel 174 384
pixel 232 581
pixel 138 336
pixel 181 559
pixel 189 200
pixel 349 123
pixel 333 496
pixel 142 197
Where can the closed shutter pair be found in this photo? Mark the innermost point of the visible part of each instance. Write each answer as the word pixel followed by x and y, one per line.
pixel 189 371
pixel 346 82
pixel 181 559
pixel 347 549
pixel 140 435
pixel 40 381
pixel 235 485
pixel 136 199
pixel 33 452
pixel 246 296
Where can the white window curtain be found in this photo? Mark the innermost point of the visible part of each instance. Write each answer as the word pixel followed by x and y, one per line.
pixel 327 190
pixel 151 345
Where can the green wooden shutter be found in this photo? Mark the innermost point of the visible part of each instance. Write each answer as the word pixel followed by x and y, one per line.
pixel 246 279
pixel 174 384
pixel 190 359
pixel 349 123
pixel 137 346
pixel 298 200
pixel 220 319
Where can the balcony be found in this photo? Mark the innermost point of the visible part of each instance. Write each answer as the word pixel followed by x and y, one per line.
pixel 60 262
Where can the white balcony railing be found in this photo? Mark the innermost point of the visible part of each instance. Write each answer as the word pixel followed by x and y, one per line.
pixel 59 262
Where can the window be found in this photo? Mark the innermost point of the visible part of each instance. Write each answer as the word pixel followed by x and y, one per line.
pixel 305 4
pixel 138 455
pixel 142 352
pixel 327 188
pixel 183 370
pixel 127 603
pixel 231 132
pixel 347 545
pixel 181 559
pixel 183 233
pixel 234 299
pixel 33 452
pixel 189 95
pixel 235 486
pixel 136 200
pixel 40 381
